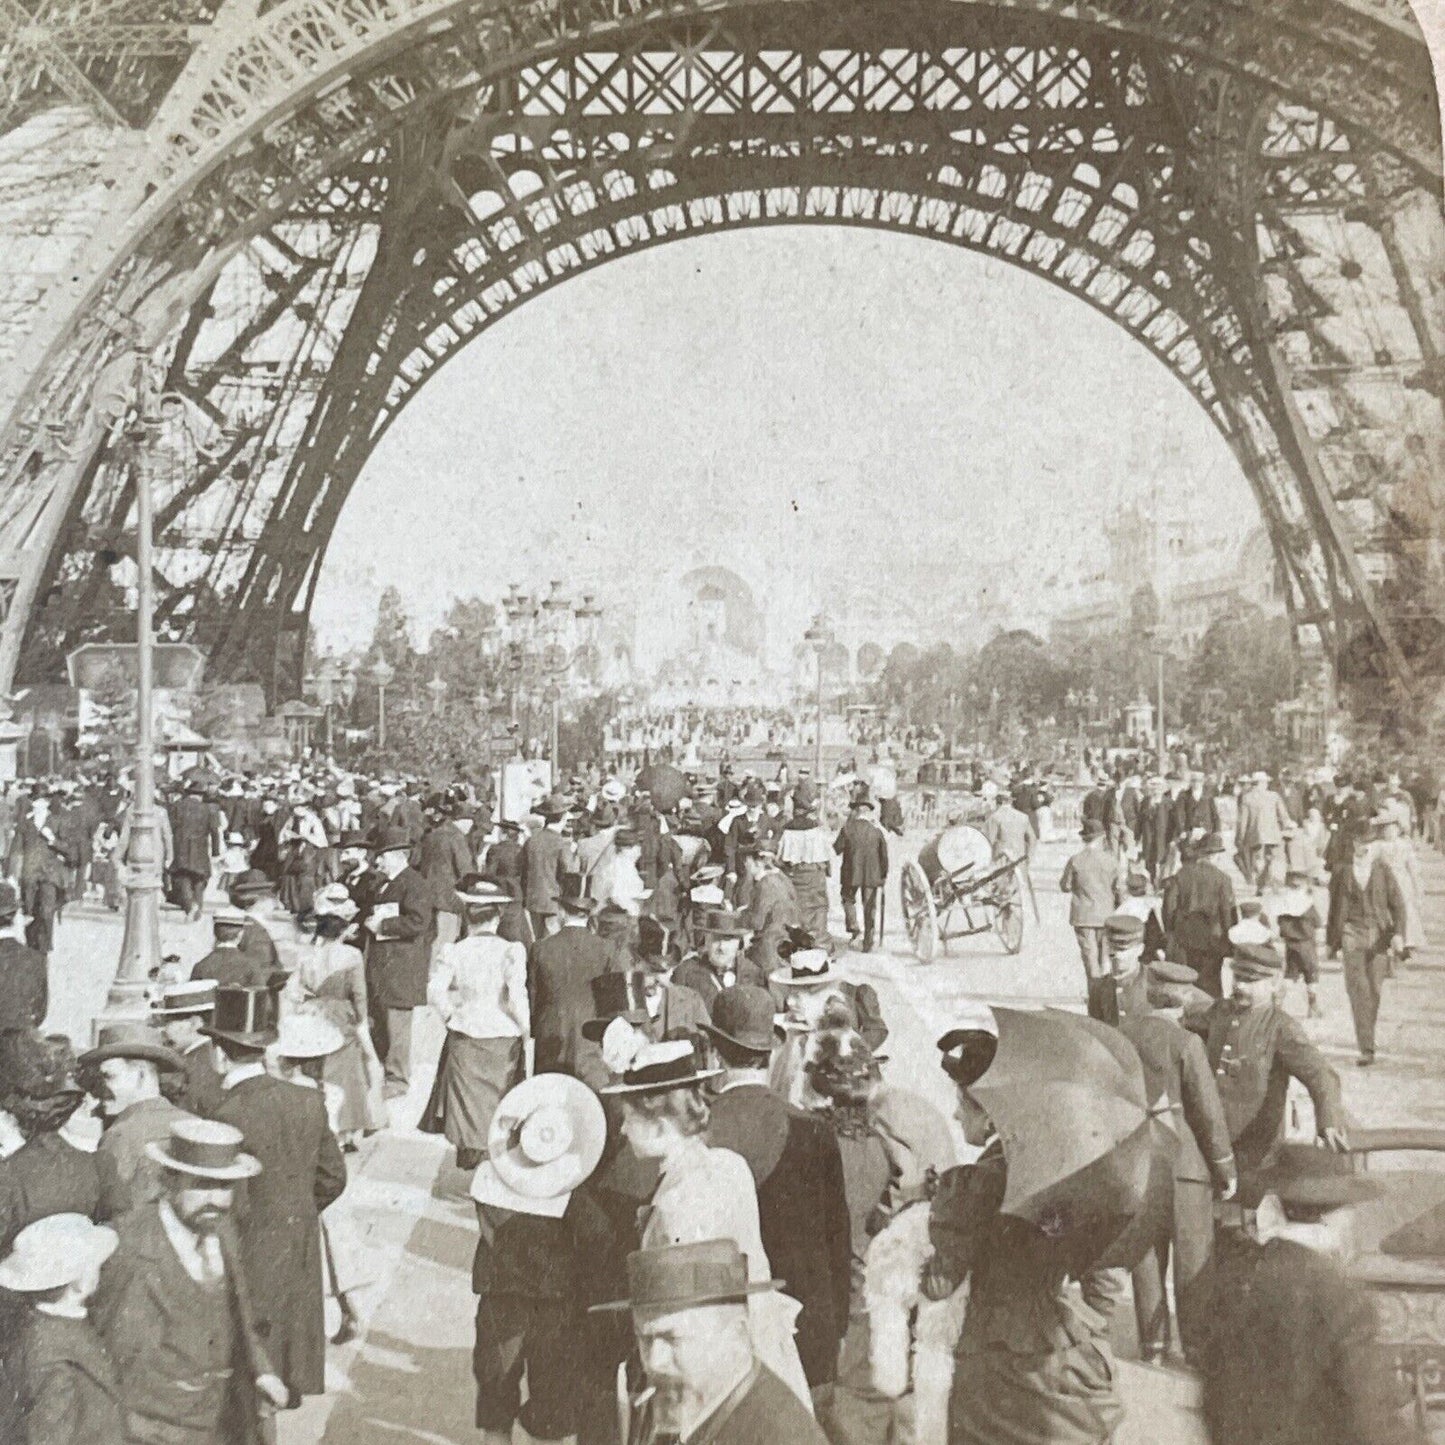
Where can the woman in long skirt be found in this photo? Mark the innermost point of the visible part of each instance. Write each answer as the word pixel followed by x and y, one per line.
pixel 330 981
pixel 479 987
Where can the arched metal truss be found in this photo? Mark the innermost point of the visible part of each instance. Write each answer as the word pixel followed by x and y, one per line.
pixel 314 237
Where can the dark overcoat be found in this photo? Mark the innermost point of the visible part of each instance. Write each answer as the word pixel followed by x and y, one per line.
pixel 1290 1352
pixel 24 986
pixel 70 1395
pixel 155 1322
pixel 302 1171
pixel 398 958
pixel 560 970
pixel 46 1175
pixel 802 1210
pixel 196 832
pixel 761 1411
pixel 1199 909
pixel 444 856
pixel 863 848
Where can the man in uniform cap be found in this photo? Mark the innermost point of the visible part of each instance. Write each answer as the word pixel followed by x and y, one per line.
pixel 1255 1048
pixel 287 1130
pixel 1181 1206
pixel 124 1072
pixel 228 961
pixel 689 1306
pixel 250 895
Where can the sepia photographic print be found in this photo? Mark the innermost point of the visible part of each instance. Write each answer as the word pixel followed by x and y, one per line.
pixel 830 834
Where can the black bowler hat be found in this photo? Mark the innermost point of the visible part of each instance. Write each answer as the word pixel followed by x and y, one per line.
pixel 245 1014
pixel 616 996
pixel 743 1015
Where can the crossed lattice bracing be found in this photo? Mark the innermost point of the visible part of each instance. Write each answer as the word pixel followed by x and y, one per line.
pixel 335 207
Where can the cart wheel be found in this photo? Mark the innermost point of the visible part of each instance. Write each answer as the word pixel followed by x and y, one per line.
pixel 1008 919
pixel 919 915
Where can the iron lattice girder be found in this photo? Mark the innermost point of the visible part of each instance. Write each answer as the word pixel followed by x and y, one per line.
pixel 294 167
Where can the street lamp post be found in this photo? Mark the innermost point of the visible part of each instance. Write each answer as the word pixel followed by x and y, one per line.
pixel 381 675
pixel 818 636
pixel 1160 651
pixel 140 949
pixel 437 687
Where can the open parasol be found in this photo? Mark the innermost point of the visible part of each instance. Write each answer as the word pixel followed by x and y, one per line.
pixel 663 783
pixel 1066 1095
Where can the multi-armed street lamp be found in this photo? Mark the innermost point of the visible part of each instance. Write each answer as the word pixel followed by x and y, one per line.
pixel 544 638
pixel 330 686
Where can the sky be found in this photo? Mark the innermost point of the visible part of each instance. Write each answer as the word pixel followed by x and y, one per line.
pixel 822 403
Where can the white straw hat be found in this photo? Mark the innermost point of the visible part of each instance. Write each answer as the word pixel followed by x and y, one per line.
pixel 54 1251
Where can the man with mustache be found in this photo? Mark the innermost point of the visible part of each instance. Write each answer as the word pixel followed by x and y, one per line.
pixel 172 1306
pixel 689 1305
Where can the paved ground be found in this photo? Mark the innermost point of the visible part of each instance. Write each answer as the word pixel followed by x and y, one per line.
pixel 407 1377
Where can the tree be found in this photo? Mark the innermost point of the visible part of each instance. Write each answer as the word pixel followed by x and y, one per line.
pixel 1244 665
pixel 111 714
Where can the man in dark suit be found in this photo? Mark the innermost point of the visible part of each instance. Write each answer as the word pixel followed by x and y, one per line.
pixel 400 925
pixel 504 857
pixel 689 1307
pixel 302 1171
pixel 560 970
pixel 1195 809
pixel 228 961
pixel 721 962
pixel 796 1165
pixel 24 972
pixel 174 1305
pixel 444 854
pixel 546 859
pixel 37 862
pixel 1198 910
pixel 1181 1207
pixel 863 848
pixel 1156 829
pixel 196 838
pixel 181 1012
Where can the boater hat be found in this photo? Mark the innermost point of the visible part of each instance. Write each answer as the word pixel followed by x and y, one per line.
pixel 655 1068
pixel 194 996
pixel 54 1251
pixel 205 1149
pixel 685 1276
pixel 546 1136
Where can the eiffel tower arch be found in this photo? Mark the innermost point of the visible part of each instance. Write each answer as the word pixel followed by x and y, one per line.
pixel 305 207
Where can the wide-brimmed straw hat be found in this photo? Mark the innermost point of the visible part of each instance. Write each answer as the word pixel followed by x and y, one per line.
pixel 685 1276
pixel 54 1251
pixel 655 1068
pixel 308 1036
pixel 204 1149
pixel 546 1136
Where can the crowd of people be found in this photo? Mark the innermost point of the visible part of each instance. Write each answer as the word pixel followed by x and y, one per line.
pixel 707 1209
